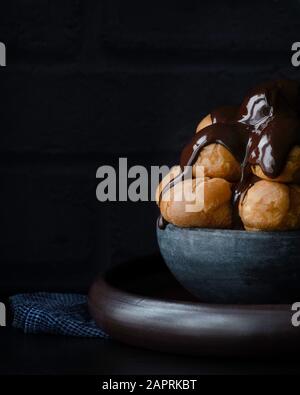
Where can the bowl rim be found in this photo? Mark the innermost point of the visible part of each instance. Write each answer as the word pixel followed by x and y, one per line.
pixel 231 232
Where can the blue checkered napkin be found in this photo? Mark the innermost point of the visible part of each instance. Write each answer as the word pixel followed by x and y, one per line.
pixel 55 313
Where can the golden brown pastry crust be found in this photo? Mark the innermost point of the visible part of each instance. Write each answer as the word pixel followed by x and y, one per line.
pixel 218 162
pixel 206 121
pixel 271 206
pixel 291 172
pixel 174 172
pixel 292 220
pixel 213 210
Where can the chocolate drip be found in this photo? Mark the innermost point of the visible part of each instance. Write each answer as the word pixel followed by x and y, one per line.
pixel 262 131
pixel 161 222
pixel 234 137
pixel 225 114
pixel 272 110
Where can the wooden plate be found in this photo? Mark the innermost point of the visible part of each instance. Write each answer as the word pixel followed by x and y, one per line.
pixel 141 304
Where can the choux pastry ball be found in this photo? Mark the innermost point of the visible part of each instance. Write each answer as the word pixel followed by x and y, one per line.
pixel 218 162
pixel 270 206
pixel 291 172
pixel 210 209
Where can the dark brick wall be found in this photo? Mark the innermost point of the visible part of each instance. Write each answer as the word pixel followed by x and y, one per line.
pixel 89 81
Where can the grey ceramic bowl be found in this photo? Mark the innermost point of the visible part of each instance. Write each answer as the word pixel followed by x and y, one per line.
pixel 232 266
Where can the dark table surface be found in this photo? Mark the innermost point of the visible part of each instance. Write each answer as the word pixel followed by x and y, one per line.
pixel 48 354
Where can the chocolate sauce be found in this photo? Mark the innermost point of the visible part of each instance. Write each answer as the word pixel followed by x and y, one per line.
pixel 225 114
pixel 161 222
pixel 262 131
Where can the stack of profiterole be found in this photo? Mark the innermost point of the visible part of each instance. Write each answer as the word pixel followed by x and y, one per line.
pixel 251 160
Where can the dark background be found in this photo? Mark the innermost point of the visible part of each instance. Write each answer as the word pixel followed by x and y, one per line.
pixel 89 81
